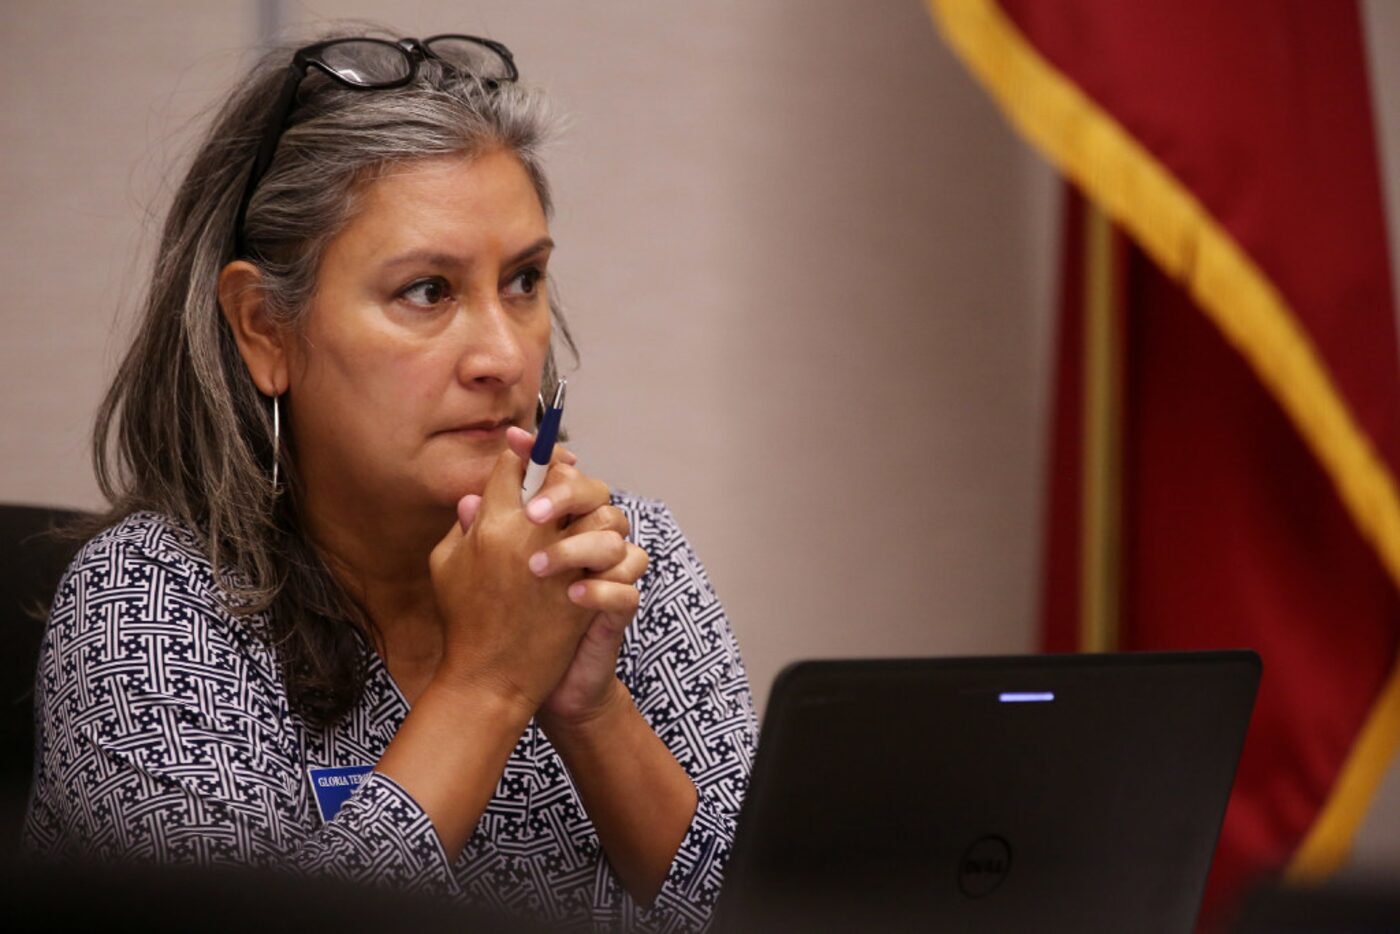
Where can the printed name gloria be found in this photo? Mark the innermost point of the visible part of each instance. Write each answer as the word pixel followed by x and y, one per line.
pixel 328 781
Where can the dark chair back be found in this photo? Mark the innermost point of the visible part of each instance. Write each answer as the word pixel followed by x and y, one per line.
pixel 32 559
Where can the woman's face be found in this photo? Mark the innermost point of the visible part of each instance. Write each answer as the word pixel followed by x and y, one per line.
pixel 426 337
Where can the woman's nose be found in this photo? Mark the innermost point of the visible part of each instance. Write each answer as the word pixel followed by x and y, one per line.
pixel 493 346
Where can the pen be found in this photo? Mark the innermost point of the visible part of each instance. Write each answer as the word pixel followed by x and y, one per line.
pixel 543 451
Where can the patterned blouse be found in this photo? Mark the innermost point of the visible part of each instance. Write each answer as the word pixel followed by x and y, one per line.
pixel 164 733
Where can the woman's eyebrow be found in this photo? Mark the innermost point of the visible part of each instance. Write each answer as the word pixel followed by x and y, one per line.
pixel 543 244
pixel 441 259
pixel 424 258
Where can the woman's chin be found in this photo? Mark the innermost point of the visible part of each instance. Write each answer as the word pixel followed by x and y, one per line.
pixel 449 490
pixel 449 475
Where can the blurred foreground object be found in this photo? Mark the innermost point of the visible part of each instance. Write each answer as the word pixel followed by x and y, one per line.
pixel 1227 414
pixel 1354 908
pixel 158 899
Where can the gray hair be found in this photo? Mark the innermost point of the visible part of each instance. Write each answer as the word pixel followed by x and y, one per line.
pixel 184 431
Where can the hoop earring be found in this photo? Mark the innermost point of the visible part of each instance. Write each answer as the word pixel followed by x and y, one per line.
pixel 276 441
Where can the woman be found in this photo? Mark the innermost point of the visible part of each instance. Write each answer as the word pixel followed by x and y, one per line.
pixel 319 629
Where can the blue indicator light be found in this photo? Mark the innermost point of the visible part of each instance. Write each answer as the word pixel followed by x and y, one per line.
pixel 1012 697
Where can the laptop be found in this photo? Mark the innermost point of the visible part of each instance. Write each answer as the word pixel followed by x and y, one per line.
pixel 1075 793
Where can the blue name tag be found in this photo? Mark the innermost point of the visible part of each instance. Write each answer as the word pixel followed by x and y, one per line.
pixel 333 787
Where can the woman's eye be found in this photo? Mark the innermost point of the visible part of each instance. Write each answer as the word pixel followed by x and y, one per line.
pixel 425 292
pixel 525 282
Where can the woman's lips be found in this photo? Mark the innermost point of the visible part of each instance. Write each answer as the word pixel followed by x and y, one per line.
pixel 481 431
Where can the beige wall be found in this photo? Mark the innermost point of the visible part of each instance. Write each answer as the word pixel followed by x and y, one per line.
pixel 94 95
pixel 809 267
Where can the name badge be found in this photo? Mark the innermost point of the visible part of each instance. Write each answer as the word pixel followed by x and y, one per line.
pixel 333 787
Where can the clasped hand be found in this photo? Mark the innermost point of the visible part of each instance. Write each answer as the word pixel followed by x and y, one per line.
pixel 536 600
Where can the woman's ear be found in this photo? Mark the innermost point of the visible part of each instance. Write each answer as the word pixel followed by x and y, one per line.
pixel 260 340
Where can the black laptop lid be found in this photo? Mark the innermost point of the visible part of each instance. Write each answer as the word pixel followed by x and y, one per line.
pixel 1045 793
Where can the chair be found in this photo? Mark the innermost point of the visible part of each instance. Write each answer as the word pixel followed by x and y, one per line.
pixel 31 562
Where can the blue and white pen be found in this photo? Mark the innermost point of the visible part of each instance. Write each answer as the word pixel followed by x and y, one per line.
pixel 543 451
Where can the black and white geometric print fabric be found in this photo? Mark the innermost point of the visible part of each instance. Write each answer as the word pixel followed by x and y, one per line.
pixel 164 734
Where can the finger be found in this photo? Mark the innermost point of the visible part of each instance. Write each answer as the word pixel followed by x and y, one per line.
pixel 467 507
pixel 503 486
pixel 627 571
pixel 619 601
pixel 608 518
pixel 600 643
pixel 522 443
pixel 567 493
pixel 591 551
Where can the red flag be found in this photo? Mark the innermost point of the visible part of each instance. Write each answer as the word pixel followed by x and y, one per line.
pixel 1228 401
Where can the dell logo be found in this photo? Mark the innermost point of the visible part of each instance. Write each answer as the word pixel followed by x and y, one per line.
pixel 984 865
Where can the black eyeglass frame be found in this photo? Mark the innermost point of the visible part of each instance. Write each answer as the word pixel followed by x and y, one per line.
pixel 413 51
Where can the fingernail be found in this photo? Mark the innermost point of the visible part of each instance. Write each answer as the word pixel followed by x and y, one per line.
pixel 577 590
pixel 538 562
pixel 539 509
